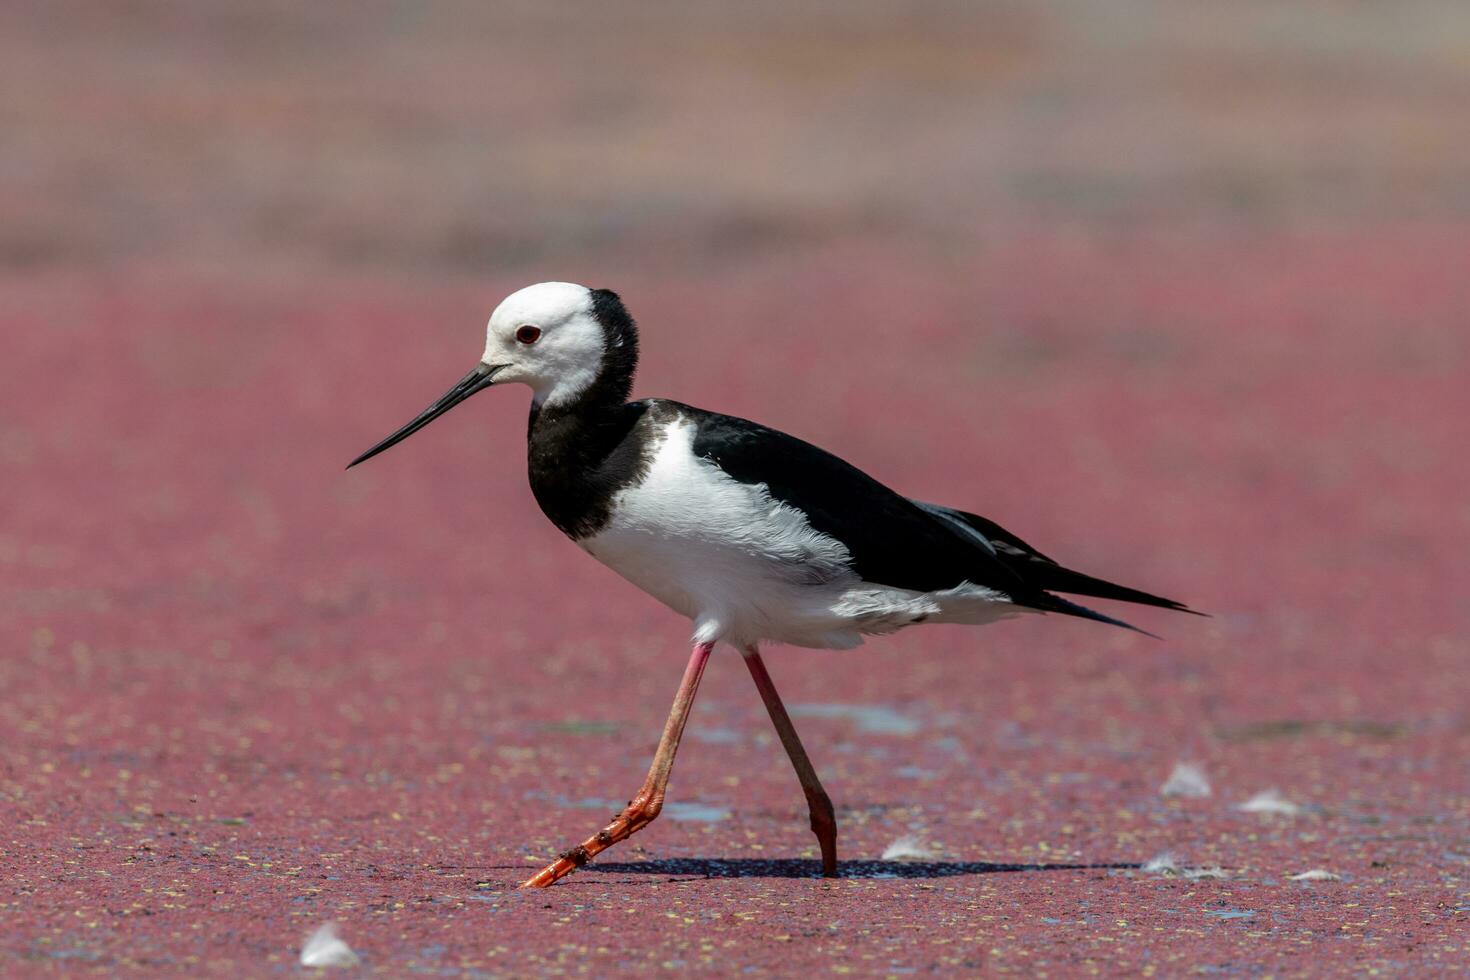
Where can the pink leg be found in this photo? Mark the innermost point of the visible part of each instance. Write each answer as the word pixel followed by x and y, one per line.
pixel 824 821
pixel 644 807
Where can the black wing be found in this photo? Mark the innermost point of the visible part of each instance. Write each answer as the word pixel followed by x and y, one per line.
pixel 892 540
pixel 1037 569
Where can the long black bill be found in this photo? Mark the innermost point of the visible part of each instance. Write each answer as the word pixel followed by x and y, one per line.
pixel 477 380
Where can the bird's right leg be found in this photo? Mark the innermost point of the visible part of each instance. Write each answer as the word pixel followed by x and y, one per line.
pixel 644 807
pixel 819 804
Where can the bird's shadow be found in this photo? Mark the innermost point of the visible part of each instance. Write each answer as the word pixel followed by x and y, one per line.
pixel 794 868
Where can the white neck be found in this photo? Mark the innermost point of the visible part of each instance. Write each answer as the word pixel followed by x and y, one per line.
pixel 565 389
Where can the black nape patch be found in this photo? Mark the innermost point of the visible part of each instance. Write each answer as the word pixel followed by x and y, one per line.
pixel 620 342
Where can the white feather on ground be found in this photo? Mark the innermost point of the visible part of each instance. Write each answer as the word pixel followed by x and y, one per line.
pixel 326 948
pixel 907 848
pixel 1316 874
pixel 1187 779
pixel 1166 863
pixel 1162 863
pixel 1269 801
pixel 1213 871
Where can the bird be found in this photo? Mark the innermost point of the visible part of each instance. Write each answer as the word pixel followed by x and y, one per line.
pixel 756 536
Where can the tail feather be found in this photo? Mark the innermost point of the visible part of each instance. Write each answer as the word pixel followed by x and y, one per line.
pixel 1057 604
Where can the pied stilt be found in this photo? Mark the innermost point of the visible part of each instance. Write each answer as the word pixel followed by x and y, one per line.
pixel 751 533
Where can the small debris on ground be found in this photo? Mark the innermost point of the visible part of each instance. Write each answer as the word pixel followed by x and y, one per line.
pixel 326 948
pixel 1188 780
pixel 907 848
pixel 1168 865
pixel 1269 801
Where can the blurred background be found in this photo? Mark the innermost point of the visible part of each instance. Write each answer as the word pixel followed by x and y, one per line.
pixel 473 139
pixel 1176 290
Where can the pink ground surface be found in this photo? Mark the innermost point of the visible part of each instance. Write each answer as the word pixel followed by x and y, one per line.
pixel 246 692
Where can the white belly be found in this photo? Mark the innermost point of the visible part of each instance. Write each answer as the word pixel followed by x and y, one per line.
pixel 746 567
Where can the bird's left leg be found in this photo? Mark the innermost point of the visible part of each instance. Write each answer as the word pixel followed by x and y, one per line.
pixel 644 807
pixel 819 804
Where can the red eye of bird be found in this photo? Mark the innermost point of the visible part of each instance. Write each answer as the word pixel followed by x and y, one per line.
pixel 528 334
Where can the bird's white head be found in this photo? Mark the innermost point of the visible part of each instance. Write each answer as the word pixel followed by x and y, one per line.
pixel 547 336
pixel 566 342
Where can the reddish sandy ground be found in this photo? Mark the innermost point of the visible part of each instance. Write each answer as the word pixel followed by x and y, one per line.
pixel 243 693
pixel 247 692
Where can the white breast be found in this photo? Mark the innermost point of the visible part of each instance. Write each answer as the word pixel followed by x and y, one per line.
pixel 744 566
pixel 724 553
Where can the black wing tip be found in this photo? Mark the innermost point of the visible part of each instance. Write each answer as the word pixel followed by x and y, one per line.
pixel 1159 602
pixel 1175 606
pixel 1076 583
